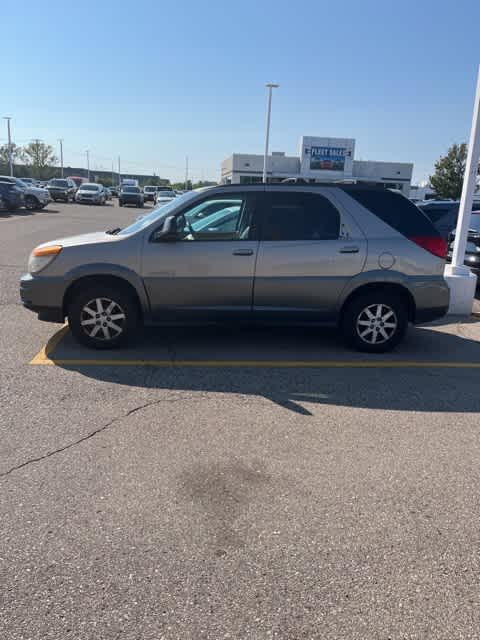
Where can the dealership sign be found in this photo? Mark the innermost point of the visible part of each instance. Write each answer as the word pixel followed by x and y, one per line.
pixel 328 158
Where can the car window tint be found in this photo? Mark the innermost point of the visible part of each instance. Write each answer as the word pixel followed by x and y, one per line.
pixel 299 216
pixel 394 209
pixel 217 219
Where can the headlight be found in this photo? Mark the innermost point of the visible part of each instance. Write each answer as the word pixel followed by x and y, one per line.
pixel 41 257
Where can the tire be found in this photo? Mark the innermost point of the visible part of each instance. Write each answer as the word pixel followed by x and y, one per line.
pixel 84 307
pixel 31 203
pixel 365 315
pixel 120 204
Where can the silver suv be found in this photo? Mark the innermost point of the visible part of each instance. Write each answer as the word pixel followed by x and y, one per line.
pixel 363 258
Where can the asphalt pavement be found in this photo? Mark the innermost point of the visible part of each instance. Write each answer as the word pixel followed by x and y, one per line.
pixel 204 499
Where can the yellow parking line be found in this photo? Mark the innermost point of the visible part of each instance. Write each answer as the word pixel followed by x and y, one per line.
pixel 44 357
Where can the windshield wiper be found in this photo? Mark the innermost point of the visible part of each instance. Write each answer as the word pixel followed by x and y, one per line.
pixel 113 232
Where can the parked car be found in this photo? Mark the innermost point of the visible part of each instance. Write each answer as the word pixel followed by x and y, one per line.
pixel 78 180
pixel 472 250
pixel 108 193
pixel 130 195
pixel 11 196
pixel 62 189
pixel 163 196
pixel 33 197
pixel 443 214
pixel 114 191
pixel 149 192
pixel 362 258
pixel 92 193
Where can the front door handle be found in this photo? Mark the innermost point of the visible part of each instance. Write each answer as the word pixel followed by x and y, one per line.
pixel 243 252
pixel 349 250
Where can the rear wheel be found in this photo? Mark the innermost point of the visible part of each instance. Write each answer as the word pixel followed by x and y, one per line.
pixel 375 322
pixel 103 317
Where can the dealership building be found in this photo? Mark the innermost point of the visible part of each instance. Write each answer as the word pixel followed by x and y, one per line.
pixel 318 160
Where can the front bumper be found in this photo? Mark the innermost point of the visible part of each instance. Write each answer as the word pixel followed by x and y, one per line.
pixel 59 195
pixel 135 201
pixel 43 296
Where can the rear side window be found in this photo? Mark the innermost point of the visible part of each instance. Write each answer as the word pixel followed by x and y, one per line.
pixel 299 216
pixel 395 210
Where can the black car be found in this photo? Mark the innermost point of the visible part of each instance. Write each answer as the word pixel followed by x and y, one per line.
pixel 443 214
pixel 131 195
pixel 472 250
pixel 11 197
pixel 114 191
pixel 62 189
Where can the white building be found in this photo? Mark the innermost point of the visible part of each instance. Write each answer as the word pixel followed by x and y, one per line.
pixel 319 159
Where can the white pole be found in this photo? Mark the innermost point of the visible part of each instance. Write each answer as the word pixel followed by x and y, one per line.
pixel 61 156
pixel 186 173
pixel 88 164
pixel 119 173
pixel 461 280
pixel 270 86
pixel 469 184
pixel 10 158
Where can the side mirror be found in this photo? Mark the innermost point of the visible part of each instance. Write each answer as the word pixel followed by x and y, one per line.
pixel 169 231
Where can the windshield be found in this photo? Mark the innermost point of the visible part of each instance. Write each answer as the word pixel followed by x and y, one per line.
pixel 160 213
pixel 166 193
pixel 149 189
pixel 131 190
pixel 475 222
pixel 90 187
pixel 58 183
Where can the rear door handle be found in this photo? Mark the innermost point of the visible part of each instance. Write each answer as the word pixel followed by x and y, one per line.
pixel 243 252
pixel 349 250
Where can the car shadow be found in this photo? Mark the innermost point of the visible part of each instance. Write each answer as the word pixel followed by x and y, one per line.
pixel 15 213
pixel 294 368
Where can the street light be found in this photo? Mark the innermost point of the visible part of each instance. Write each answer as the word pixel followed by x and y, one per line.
pixel 10 159
pixel 461 281
pixel 88 164
pixel 270 86
pixel 61 156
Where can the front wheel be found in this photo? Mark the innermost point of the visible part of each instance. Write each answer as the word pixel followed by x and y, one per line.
pixel 103 317
pixel 375 322
pixel 31 203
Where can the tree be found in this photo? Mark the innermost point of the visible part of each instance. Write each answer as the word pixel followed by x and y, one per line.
pixel 40 157
pixel 447 180
pixel 17 155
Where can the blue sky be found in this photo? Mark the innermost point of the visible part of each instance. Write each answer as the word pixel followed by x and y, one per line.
pixel 156 81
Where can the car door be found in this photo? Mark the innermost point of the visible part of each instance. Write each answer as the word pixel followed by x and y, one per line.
pixel 208 270
pixel 308 252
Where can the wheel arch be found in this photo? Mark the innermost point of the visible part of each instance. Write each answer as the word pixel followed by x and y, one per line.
pixel 391 287
pixel 107 279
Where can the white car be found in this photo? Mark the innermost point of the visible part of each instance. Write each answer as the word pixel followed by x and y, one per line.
pixel 91 192
pixel 34 197
pixel 163 196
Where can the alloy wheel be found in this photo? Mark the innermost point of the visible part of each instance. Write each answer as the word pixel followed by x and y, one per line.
pixel 102 319
pixel 376 324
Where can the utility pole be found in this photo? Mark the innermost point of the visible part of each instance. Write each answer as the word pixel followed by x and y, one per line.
pixel 88 164
pixel 270 86
pixel 186 173
pixel 10 158
pixel 61 156
pixel 461 281
pixel 119 173
pixel 112 173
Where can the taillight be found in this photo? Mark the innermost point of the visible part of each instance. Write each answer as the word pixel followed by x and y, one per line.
pixel 433 244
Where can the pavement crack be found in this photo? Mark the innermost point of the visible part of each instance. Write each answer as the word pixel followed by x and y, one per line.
pixel 90 435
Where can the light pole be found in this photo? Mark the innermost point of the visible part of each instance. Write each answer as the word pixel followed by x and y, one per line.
pixel 61 156
pixel 270 86
pixel 460 279
pixel 186 173
pixel 88 164
pixel 119 174
pixel 10 159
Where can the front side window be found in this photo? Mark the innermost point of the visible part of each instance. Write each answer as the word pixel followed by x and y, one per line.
pixel 300 216
pixel 217 218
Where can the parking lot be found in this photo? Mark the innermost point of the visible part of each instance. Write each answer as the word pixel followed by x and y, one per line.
pixel 232 482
